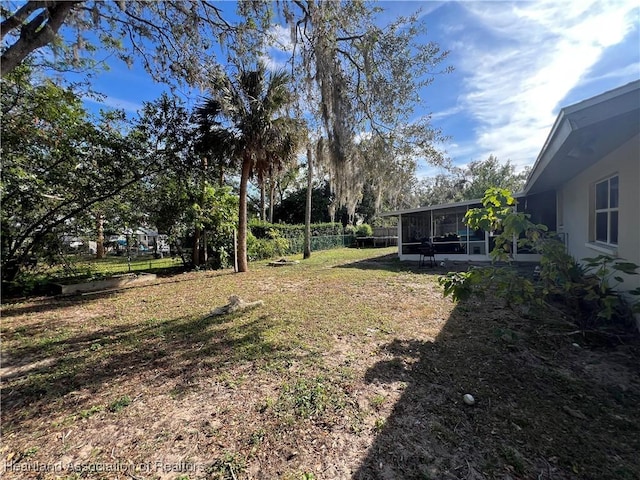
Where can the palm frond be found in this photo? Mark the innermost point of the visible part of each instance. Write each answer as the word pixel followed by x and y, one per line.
pixel 241 119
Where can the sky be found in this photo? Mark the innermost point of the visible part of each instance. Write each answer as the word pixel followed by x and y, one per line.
pixel 516 64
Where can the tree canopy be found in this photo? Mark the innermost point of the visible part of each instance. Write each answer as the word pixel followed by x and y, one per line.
pixel 174 40
pixel 471 181
pixel 355 77
pixel 354 80
pixel 60 164
pixel 56 163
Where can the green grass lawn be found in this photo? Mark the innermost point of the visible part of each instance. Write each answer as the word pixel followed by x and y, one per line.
pixel 354 367
pixel 114 264
pixel 74 267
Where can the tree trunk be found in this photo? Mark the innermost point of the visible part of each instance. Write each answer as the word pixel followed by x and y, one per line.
pixel 280 192
pixel 235 251
pixel 307 213
pixel 205 254
pixel 100 238
pixel 195 254
pixel 263 205
pixel 196 258
pixel 242 216
pixel 272 197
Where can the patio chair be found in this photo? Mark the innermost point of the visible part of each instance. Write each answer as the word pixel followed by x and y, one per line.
pixel 427 253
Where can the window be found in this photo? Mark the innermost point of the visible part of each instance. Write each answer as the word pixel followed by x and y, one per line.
pixel 606 211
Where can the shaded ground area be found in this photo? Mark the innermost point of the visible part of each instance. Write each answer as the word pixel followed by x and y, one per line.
pixel 343 373
pixel 547 404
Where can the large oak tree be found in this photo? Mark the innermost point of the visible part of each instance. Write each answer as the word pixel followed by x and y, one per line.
pixel 174 40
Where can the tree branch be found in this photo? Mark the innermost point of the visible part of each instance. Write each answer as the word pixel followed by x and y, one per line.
pixel 350 58
pixel 15 20
pixel 160 31
pixel 218 14
pixel 349 38
pixel 48 226
pixel 134 45
pixel 36 34
pixel 303 8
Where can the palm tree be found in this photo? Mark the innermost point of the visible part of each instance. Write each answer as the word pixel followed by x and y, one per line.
pixel 259 139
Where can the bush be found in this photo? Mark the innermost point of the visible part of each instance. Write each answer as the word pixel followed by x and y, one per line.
pixel 324 242
pixel 364 230
pixel 269 240
pixel 266 248
pixel 504 282
pixel 598 295
pixel 261 229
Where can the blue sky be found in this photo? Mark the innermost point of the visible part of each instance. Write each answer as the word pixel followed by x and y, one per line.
pixel 516 64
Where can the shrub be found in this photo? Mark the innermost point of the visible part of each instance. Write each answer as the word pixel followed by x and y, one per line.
pixel 264 248
pixel 598 291
pixel 364 230
pixel 261 229
pixel 504 282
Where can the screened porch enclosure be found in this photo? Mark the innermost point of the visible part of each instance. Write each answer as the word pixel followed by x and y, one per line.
pixel 445 229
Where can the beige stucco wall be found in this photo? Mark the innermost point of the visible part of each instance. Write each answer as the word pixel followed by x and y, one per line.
pixel 574 200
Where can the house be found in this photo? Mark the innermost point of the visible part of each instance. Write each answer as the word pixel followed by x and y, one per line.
pixel 141 239
pixel 591 164
pixel 585 184
pixel 146 237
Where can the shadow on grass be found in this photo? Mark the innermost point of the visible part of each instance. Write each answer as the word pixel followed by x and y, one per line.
pixel 544 408
pixel 392 263
pixel 389 262
pixel 48 373
pixel 17 308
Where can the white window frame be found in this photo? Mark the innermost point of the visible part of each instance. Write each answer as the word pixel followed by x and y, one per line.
pixel 608 210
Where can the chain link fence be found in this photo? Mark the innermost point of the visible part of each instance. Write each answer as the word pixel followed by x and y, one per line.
pixel 321 242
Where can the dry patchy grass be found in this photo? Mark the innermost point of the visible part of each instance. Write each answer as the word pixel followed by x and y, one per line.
pixel 354 368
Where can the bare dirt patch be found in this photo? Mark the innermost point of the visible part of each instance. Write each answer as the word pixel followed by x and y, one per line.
pixel 354 368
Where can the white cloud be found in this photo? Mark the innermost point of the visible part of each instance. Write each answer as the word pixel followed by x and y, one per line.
pixel 425 8
pixel 531 55
pixel 362 136
pixel 116 103
pixel 271 63
pixel 446 113
pixel 279 37
pixel 277 48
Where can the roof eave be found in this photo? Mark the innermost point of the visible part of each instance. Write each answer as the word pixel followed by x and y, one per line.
pixel 441 206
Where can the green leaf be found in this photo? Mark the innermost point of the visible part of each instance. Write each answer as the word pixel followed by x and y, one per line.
pixel 626 267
